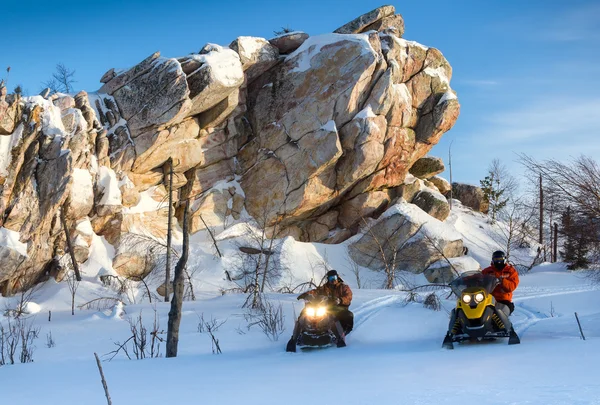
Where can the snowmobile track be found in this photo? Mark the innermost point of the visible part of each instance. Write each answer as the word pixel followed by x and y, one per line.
pixel 531 318
pixel 370 308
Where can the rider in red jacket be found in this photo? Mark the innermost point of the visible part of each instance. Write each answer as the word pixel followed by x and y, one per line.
pixel 508 276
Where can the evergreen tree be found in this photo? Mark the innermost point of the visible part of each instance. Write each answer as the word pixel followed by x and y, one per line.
pixel 578 234
pixel 493 193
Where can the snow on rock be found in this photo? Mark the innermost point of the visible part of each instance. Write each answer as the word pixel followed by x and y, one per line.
pixel 437 72
pixel 312 46
pixel 366 112
pixel 329 126
pixel 82 190
pixel 7 143
pixel 11 240
pixel 99 262
pixel 146 203
pixel 31 308
pixel 225 63
pixel 85 227
pixel 449 95
pixel 444 271
pixel 107 179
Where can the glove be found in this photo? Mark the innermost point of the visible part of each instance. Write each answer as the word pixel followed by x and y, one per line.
pixel 336 301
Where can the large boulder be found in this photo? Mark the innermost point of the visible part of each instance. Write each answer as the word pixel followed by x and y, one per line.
pixel 211 76
pixel 288 42
pixel 360 23
pixel 406 237
pixel 433 203
pixel 256 54
pixel 8 113
pixel 445 270
pixel 427 167
pixel 295 110
pixel 151 94
pixel 395 22
pixel 470 196
pixel 442 184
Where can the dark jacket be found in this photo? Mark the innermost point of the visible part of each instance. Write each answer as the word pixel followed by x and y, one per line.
pixel 338 290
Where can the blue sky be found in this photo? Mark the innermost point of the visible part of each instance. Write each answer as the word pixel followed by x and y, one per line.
pixel 527 73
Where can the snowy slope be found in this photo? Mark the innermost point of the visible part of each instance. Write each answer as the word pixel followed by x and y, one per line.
pixel 393 356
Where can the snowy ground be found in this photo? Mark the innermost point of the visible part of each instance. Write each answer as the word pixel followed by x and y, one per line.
pixel 393 356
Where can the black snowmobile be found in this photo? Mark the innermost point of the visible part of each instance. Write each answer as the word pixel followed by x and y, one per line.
pixel 317 325
pixel 476 316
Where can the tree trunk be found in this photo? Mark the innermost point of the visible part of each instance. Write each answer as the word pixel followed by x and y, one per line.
pixel 168 265
pixel 70 245
pixel 555 242
pixel 177 301
pixel 450 165
pixel 541 237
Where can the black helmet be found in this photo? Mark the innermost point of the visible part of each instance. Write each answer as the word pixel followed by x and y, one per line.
pixel 499 259
pixel 332 275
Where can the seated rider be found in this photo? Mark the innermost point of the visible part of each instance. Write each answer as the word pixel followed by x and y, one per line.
pixel 509 280
pixel 340 296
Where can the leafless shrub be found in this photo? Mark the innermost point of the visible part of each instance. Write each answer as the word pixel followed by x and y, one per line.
pixel 211 326
pixel 142 343
pixel 355 269
pixel 19 308
pixel 411 296
pixel 269 319
pixel 17 341
pixel 101 303
pixel 432 301
pixel 50 340
pixel 259 263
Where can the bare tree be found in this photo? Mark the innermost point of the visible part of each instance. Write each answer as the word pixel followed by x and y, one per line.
pixel 576 184
pixel 73 284
pixel 62 80
pixel 177 302
pixel 259 261
pixel 169 164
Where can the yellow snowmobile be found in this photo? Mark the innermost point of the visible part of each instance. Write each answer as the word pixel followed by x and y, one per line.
pixel 477 316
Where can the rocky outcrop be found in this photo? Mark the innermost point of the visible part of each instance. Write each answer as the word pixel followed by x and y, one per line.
pixel 433 203
pixel 427 167
pixel 288 42
pixel 405 238
pixel 445 270
pixel 470 196
pixel 442 184
pixel 8 111
pixel 359 24
pixel 312 136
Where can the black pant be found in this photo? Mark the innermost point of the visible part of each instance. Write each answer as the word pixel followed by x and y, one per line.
pixel 509 304
pixel 345 317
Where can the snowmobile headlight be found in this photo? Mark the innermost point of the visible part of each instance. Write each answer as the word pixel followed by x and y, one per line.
pixel 466 298
pixel 310 312
pixel 479 297
pixel 321 311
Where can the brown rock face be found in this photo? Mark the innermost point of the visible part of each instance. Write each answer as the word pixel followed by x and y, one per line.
pixel 410 236
pixel 359 24
pixel 427 167
pixel 442 184
pixel 314 141
pixel 433 203
pixel 288 43
pixel 470 196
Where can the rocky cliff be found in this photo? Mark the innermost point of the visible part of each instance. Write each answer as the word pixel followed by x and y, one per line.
pixel 310 136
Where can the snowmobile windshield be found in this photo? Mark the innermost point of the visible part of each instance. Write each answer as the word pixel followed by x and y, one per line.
pixel 473 279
